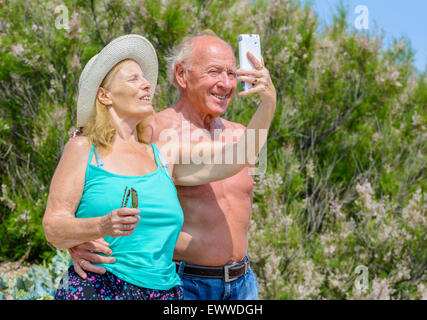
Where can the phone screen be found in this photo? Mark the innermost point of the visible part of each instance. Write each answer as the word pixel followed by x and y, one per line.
pixel 248 43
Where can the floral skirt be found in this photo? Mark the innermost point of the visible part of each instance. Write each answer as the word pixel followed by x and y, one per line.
pixel 108 287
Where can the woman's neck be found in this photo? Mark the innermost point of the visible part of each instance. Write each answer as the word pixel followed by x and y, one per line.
pixel 126 129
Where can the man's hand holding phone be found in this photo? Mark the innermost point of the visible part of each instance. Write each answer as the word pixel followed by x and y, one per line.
pixel 260 80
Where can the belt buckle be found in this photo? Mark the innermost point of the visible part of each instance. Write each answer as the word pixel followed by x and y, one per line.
pixel 226 275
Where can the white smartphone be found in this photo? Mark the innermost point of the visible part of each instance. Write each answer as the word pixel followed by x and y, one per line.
pixel 251 43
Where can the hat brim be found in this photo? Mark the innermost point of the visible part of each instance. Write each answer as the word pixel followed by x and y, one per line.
pixel 133 47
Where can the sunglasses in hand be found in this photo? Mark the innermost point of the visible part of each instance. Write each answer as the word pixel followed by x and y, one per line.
pixel 134 198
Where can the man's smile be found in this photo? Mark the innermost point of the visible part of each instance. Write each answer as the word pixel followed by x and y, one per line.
pixel 219 96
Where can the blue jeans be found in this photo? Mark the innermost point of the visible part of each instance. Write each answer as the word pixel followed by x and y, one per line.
pixel 202 288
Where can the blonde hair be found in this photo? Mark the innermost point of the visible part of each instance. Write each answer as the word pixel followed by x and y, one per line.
pixel 99 130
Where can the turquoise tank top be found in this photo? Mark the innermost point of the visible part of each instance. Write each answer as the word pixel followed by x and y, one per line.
pixel 143 258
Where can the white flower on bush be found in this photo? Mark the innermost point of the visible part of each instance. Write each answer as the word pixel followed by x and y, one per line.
pixel 287 220
pixel 416 119
pixel 401 45
pixel 268 181
pixel 366 197
pixel 389 230
pixel 310 168
pixel 422 291
pixel 272 266
pixel 337 280
pixel 75 63
pixel 284 55
pixel 5 198
pixel 403 273
pixel 414 212
pixel 370 207
pixel 376 137
pixel 330 250
pixel 381 290
pixel 25 217
pixel 18 50
pixel 51 69
pixel 312 281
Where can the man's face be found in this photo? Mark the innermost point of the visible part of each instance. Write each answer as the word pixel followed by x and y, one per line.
pixel 211 80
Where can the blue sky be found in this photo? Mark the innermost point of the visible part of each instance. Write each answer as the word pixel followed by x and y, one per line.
pixel 395 18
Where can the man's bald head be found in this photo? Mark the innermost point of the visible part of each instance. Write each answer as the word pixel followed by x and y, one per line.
pixel 191 47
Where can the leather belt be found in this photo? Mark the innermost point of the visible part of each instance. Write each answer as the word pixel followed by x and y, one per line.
pixel 229 272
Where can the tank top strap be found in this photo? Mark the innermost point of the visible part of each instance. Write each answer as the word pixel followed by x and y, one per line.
pixel 90 154
pixel 98 159
pixel 160 161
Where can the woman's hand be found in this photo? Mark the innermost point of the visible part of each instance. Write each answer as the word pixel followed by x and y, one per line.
pixel 260 80
pixel 120 222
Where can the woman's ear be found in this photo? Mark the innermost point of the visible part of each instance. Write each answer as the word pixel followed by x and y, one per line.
pixel 181 75
pixel 103 96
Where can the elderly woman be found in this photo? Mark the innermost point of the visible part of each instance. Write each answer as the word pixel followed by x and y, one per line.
pixel 110 183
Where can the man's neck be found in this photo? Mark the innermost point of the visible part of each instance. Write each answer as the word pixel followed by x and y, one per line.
pixel 193 115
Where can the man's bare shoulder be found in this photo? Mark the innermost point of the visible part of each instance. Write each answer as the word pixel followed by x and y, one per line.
pixel 168 117
pixel 165 111
pixel 231 125
pixel 168 113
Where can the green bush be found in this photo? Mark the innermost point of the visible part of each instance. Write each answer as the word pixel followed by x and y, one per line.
pixel 346 176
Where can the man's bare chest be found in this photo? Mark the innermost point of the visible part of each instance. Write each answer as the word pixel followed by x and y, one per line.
pixel 239 186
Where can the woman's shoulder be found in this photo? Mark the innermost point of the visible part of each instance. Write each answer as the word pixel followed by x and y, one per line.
pixel 78 145
pixel 75 155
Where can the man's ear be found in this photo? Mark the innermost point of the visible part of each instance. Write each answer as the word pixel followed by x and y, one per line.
pixel 103 96
pixel 181 75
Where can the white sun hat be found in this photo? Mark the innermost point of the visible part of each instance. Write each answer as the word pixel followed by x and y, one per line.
pixel 130 46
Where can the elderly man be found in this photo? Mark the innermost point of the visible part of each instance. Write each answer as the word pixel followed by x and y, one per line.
pixel 211 252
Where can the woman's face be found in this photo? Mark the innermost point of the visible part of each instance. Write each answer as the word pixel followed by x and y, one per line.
pixel 129 92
